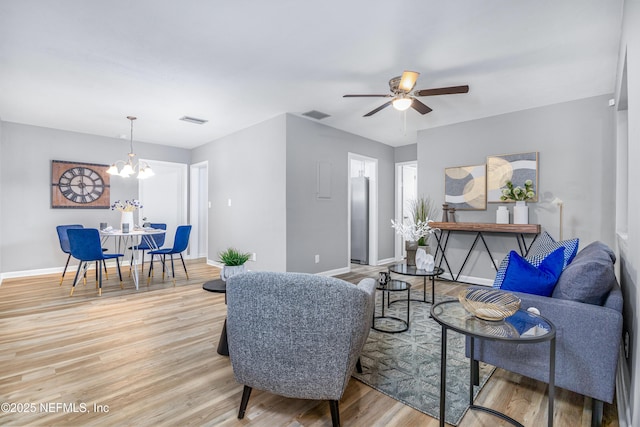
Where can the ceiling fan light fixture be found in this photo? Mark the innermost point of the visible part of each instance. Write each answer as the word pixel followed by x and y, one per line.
pixel 402 104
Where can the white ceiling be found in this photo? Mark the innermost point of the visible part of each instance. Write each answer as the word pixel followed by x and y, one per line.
pixel 85 65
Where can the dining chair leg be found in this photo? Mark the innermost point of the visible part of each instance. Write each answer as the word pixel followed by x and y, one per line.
pixel 75 279
pixel 164 260
pixel 150 271
pixel 119 273
pixel 173 271
pixel 65 269
pixel 100 280
pixel 184 266
pixel 142 272
pixel 98 270
pixel 106 274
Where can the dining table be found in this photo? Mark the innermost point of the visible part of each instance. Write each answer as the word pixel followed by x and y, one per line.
pixel 128 242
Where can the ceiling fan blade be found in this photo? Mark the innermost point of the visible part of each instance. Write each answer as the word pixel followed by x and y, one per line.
pixel 420 107
pixel 442 91
pixel 408 81
pixel 367 96
pixel 372 112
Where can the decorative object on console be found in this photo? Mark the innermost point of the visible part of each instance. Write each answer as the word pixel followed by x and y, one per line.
pixel 502 215
pixel 452 214
pixel 520 196
pixel 128 166
pixel 233 261
pixel 489 304
pixel 445 212
pixel 465 187
pixel 521 213
pixel 79 185
pixel 514 168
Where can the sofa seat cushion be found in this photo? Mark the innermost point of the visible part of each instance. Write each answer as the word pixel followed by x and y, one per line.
pixel 589 277
pixel 522 276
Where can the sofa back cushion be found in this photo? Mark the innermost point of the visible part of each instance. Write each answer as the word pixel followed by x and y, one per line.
pixel 589 277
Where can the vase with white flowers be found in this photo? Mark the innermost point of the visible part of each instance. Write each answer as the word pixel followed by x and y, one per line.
pixel 417 229
pixel 127 208
pixel 520 196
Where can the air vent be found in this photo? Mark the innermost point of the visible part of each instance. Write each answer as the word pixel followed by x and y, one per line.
pixel 316 115
pixel 194 120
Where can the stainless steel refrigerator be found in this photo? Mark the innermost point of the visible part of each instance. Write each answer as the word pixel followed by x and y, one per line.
pixel 360 220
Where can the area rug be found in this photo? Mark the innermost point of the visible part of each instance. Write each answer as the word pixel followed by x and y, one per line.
pixel 406 365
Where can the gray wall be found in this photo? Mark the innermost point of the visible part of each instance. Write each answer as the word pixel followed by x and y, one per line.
pixel 406 153
pixel 630 247
pixel 1 157
pixel 249 168
pixel 576 145
pixel 29 239
pixel 319 226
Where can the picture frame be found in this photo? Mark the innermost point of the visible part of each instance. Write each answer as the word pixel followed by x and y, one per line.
pixel 465 187
pixel 517 168
pixel 77 185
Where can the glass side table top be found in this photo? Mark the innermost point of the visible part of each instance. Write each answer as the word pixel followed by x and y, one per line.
pixel 521 326
pixel 411 270
pixel 394 285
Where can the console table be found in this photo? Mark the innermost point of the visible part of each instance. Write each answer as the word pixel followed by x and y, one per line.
pixel 444 230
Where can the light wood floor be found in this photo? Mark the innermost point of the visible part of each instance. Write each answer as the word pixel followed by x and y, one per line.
pixel 148 357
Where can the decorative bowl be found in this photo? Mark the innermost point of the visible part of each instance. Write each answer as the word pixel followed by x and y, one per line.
pixel 489 304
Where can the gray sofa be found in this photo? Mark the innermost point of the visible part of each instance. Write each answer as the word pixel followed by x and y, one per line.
pixel 297 335
pixel 586 308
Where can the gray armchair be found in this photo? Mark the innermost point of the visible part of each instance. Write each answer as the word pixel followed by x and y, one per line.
pixel 297 335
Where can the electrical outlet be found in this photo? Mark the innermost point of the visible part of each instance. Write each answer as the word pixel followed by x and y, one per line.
pixel 317 259
pixel 253 256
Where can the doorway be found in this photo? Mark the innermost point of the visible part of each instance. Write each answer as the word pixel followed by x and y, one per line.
pixel 406 192
pixel 364 167
pixel 199 209
pixel 164 196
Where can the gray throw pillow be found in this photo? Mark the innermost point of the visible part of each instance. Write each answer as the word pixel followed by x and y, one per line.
pixel 589 277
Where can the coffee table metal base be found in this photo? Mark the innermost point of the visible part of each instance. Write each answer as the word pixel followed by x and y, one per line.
pixel 393 286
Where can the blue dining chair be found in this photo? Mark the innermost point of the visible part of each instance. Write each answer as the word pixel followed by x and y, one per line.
pixel 64 245
pixel 158 240
pixel 180 243
pixel 85 246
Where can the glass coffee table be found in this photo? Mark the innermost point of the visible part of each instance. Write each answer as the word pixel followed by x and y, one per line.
pixel 521 328
pixel 387 288
pixel 411 270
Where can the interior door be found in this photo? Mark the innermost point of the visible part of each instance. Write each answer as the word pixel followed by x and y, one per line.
pixel 164 196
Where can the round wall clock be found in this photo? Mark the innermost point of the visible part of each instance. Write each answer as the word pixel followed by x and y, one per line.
pixel 79 185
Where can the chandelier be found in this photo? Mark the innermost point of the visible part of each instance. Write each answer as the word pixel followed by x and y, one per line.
pixel 130 166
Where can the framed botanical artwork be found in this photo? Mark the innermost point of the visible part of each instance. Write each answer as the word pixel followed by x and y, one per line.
pixel 465 187
pixel 80 185
pixel 516 168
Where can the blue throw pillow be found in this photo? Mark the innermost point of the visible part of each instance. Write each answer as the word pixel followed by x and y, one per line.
pixel 546 244
pixel 522 276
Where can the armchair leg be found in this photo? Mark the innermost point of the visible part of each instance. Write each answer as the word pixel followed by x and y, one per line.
pixel 335 413
pixel 358 366
pixel 597 408
pixel 246 392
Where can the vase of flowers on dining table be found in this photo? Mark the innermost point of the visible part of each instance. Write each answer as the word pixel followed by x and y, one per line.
pixel 126 208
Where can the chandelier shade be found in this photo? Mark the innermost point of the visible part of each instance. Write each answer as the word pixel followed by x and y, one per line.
pixel 130 166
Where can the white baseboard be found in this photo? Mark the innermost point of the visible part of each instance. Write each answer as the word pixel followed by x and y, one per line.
pixel 386 261
pixel 623 381
pixel 470 279
pixel 335 272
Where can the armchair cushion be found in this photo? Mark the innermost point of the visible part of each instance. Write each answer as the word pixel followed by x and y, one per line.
pixel 297 335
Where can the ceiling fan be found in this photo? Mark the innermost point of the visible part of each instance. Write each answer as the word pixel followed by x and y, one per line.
pixel 401 91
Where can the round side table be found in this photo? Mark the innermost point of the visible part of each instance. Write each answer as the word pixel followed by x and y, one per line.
pixel 220 287
pixel 387 288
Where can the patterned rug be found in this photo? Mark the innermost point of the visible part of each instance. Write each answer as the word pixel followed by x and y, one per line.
pixel 406 366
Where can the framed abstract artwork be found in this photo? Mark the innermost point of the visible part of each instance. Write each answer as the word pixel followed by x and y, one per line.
pixel 465 187
pixel 80 185
pixel 516 168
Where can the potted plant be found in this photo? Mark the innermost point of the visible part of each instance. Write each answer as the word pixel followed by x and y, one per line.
pixel 416 232
pixel 520 196
pixel 233 261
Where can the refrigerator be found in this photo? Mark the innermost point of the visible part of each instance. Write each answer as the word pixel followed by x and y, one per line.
pixel 360 220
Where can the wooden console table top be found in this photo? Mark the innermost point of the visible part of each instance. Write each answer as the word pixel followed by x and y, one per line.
pixel 487 227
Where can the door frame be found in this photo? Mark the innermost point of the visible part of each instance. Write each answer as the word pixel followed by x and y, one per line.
pixel 398 241
pixel 199 198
